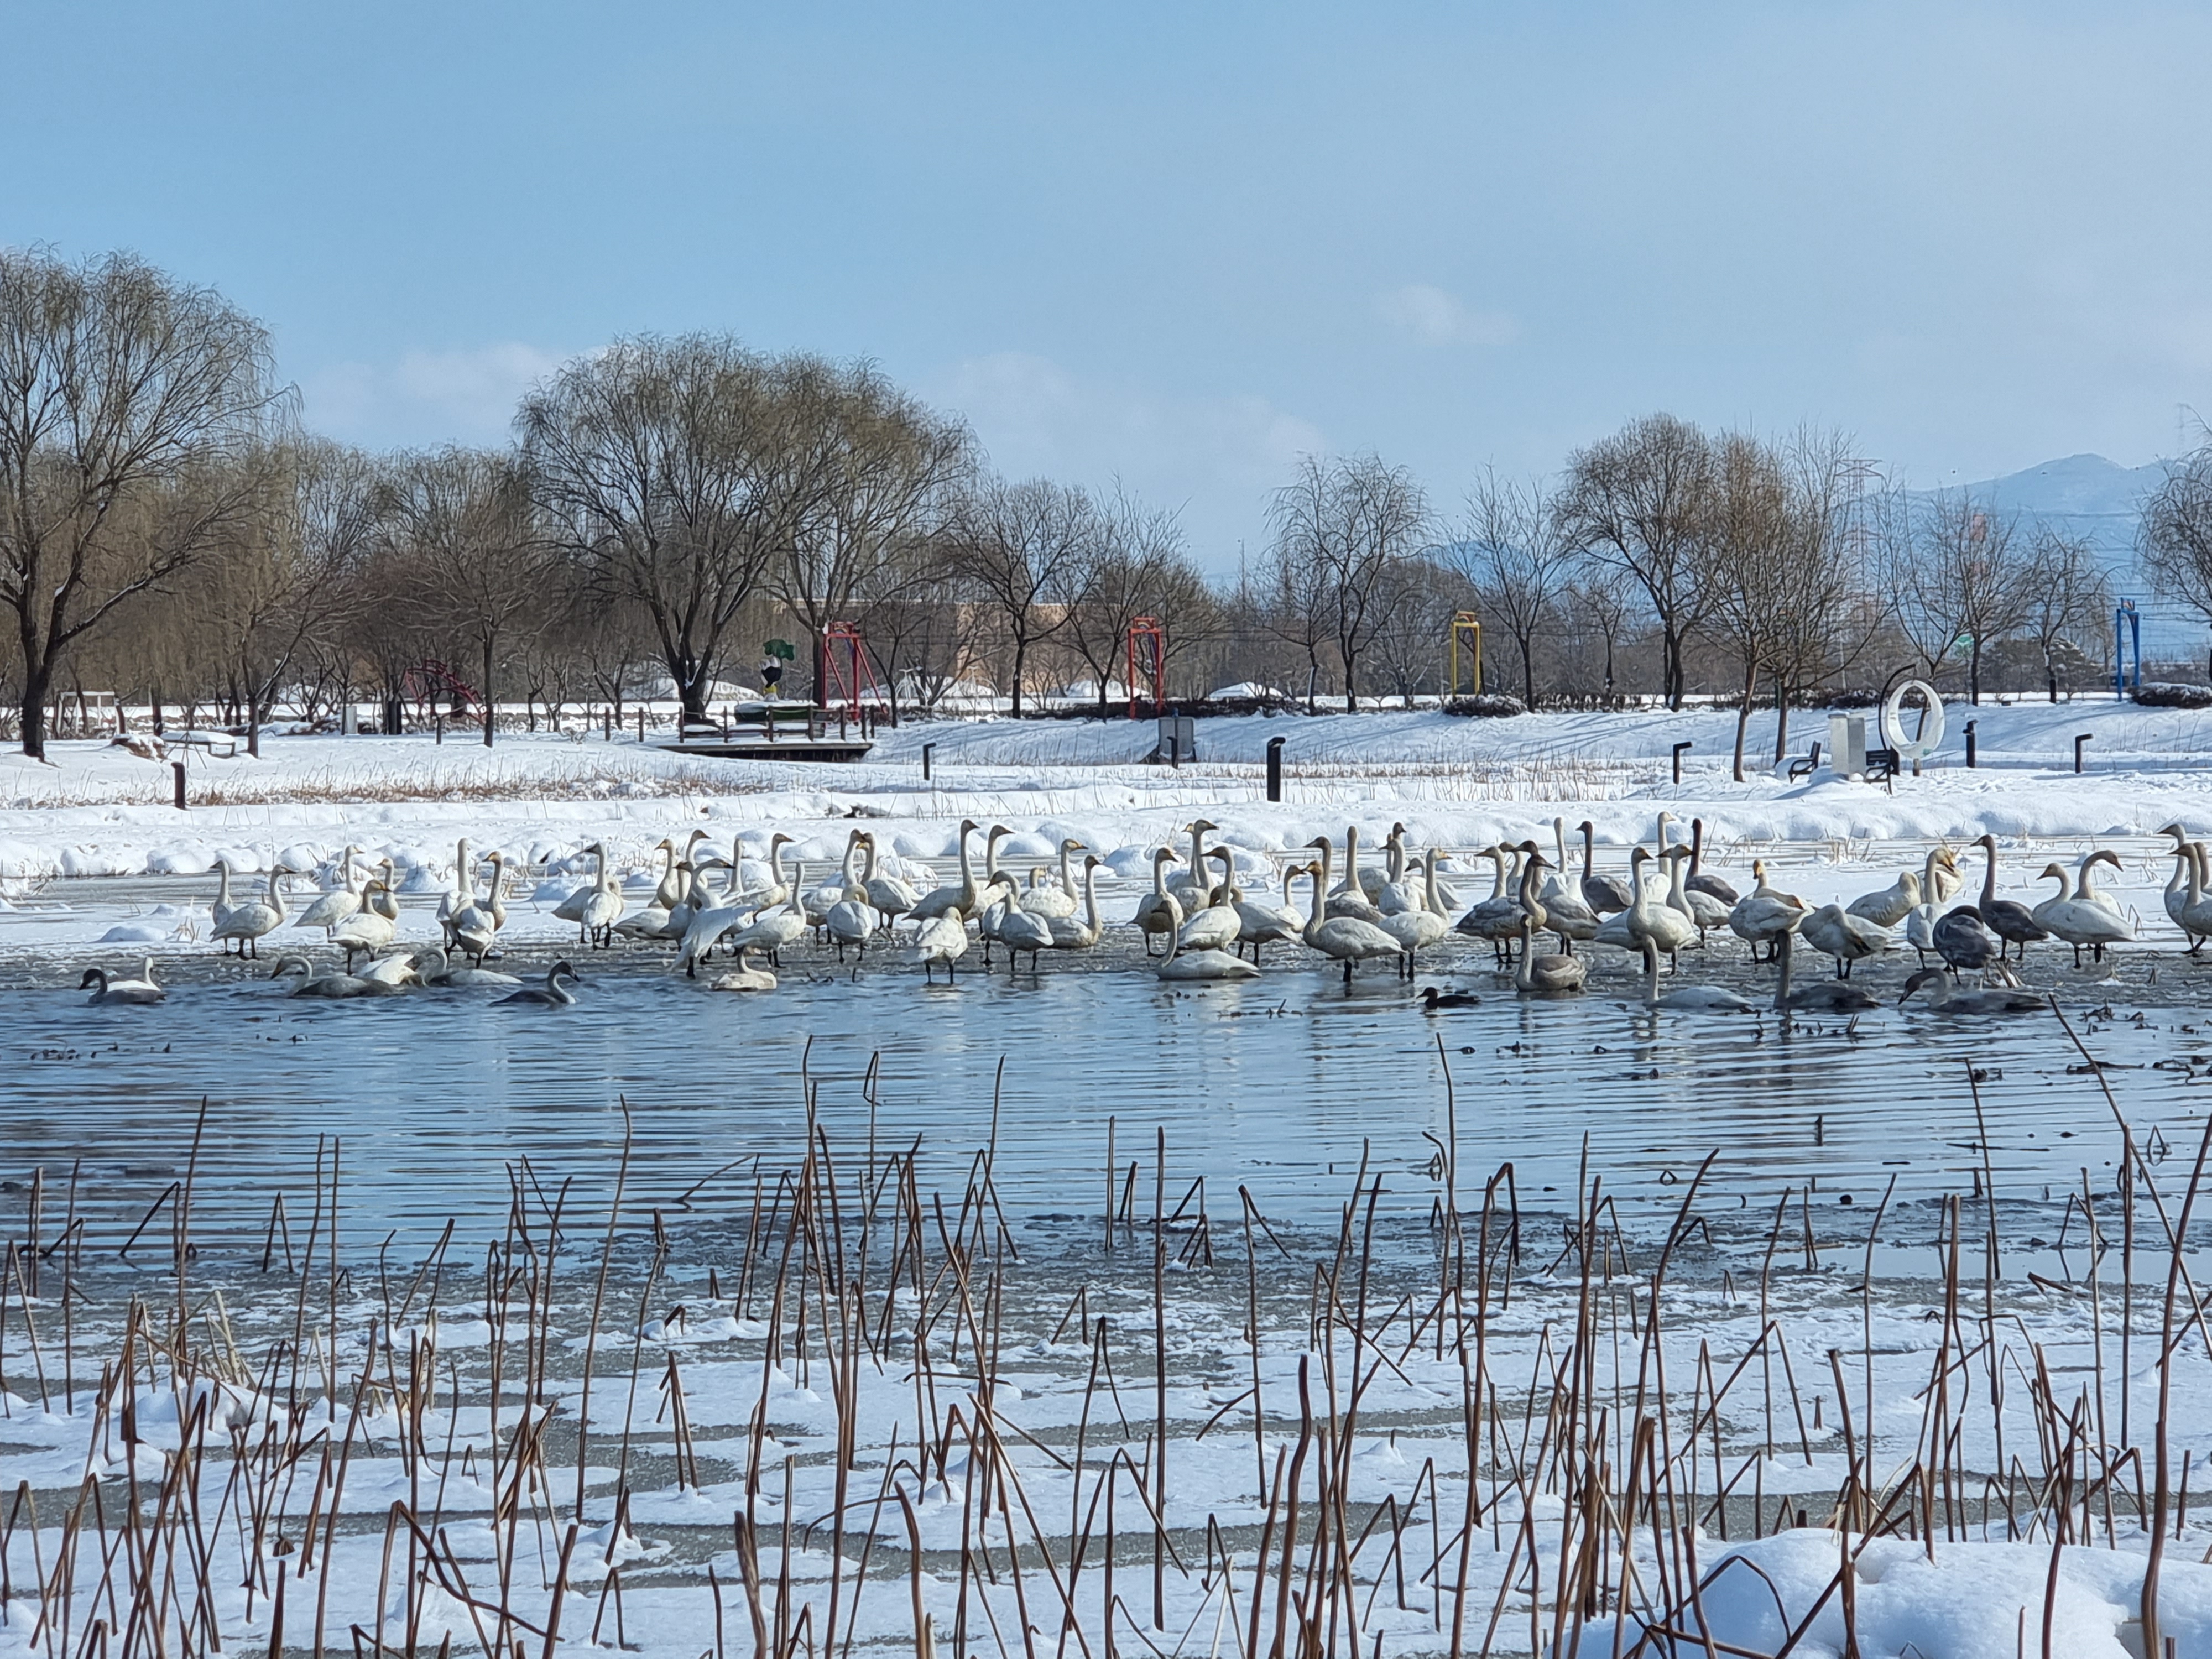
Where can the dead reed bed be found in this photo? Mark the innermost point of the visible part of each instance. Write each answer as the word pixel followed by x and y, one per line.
pixel 834 1397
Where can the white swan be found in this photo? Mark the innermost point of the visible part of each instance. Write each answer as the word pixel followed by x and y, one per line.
pixel 1349 896
pixel 1217 926
pixel 2195 917
pixel 769 930
pixel 1159 913
pixel 1653 920
pixel 1199 968
pixel 1020 930
pixel 850 921
pixel 367 929
pixel 648 919
pixel 1688 998
pixel 1763 914
pixel 1082 932
pixel 2085 891
pixel 433 966
pixel 248 924
pixel 1417 929
pixel 960 901
pixel 334 907
pixel 888 896
pixel 462 893
pixel 1060 901
pixel 1835 931
pixel 745 976
pixel 1266 924
pixel 1347 940
pixel 942 939
pixel 122 993
pixel 1702 910
pixel 2079 922
pixel 474 929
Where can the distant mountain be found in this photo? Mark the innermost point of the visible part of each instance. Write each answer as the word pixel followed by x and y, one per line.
pixel 2101 502
pixel 2084 495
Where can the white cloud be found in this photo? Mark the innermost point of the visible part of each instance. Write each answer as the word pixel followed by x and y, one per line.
pixel 1214 457
pixel 426 397
pixel 1430 314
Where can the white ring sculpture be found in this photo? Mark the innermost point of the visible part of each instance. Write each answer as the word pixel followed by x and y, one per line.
pixel 1893 730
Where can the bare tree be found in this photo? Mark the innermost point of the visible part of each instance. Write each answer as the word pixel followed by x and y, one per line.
pixel 2070 605
pixel 1339 528
pixel 678 471
pixel 467 518
pixel 1135 568
pixel 1017 547
pixel 887 464
pixel 1289 599
pixel 1419 598
pixel 264 593
pixel 130 406
pixel 1514 552
pixel 1781 568
pixel 2174 535
pixel 1960 575
pixel 1636 502
pixel 1742 562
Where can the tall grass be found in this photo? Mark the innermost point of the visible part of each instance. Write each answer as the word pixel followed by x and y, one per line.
pixel 874 1411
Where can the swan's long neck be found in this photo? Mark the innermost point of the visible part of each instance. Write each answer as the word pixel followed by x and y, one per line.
pixel 1091 899
pixel 1159 877
pixel 1323 849
pixel 1066 876
pixel 223 887
pixel 1674 882
pixel 1497 872
pixel 968 893
pixel 1589 852
pixel 1697 844
pixel 1198 852
pixel 1989 874
pixel 2196 873
pixel 1429 883
pixel 277 892
pixel 1320 882
pixel 868 862
pixel 1351 858
pixel 1524 977
pixel 1928 871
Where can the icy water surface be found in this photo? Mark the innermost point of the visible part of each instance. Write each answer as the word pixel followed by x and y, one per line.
pixel 1278 1086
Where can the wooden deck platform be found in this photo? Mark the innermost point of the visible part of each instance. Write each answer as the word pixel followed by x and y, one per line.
pixel 752 747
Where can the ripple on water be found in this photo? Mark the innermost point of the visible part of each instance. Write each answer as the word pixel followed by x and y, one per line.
pixel 1280 1085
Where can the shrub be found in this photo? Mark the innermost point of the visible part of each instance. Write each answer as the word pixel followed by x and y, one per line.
pixel 2167 695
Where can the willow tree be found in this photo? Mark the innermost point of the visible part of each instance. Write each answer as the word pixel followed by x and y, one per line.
pixel 132 407
pixel 676 472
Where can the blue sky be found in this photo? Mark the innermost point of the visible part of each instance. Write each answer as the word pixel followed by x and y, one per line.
pixel 1181 245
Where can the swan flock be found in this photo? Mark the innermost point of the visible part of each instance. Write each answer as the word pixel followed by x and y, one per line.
pixel 1211 913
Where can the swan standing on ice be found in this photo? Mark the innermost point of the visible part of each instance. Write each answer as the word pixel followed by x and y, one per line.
pixel 2013 923
pixel 1159 912
pixel 332 907
pixel 1217 925
pixel 367 929
pixel 1835 931
pixel 1418 929
pixel 1347 940
pixel 2078 921
pixel 1056 901
pixel 1083 932
pixel 942 939
pixel 1603 893
pixel 888 896
pixel 959 901
pixel 121 992
pixel 1765 913
pixel 248 924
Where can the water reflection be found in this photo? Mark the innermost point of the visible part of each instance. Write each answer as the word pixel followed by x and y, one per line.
pixel 1280 1085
